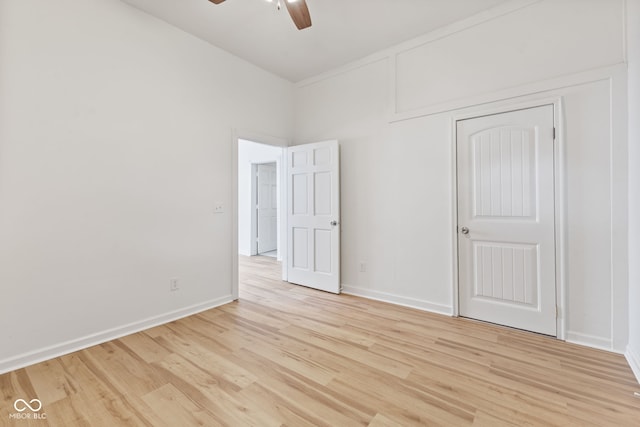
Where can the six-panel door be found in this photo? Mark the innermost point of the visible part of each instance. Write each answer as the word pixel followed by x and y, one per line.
pixel 313 215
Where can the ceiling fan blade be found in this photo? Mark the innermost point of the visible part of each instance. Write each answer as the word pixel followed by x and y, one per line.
pixel 216 1
pixel 299 13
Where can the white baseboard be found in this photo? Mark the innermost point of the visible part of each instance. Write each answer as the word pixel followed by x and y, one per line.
pixel 586 340
pixel 81 343
pixel 633 357
pixel 591 341
pixel 398 300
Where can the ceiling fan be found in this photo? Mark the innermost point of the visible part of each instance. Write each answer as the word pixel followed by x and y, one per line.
pixel 297 9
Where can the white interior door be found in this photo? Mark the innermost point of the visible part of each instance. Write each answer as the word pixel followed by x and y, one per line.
pixel 313 213
pixel 506 233
pixel 267 207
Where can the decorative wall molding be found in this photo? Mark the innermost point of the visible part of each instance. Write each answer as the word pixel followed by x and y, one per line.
pixel 617 71
pixel 390 53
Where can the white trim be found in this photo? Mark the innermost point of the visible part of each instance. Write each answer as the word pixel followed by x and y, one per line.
pixel 592 341
pixel 619 207
pixel 634 361
pixel 455 290
pixel 512 94
pixel 260 138
pixel 253 235
pixel 234 215
pixel 464 24
pixel 561 217
pixel 559 191
pixel 397 300
pixel 283 251
pixel 448 30
pixel 57 350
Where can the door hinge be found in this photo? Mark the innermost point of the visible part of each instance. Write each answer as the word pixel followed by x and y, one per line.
pixel 554 133
pixel 557 312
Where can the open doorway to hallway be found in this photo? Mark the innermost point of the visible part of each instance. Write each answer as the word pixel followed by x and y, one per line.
pixel 260 205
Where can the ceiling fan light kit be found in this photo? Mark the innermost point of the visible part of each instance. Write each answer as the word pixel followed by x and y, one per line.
pixel 297 9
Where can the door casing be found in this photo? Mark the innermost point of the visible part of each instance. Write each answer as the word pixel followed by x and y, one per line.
pixel 560 196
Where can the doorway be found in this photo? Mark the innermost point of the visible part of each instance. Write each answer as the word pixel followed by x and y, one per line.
pixel 506 219
pixel 249 154
pixel 309 210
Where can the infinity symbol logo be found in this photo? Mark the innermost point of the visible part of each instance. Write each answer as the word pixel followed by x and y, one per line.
pixel 25 405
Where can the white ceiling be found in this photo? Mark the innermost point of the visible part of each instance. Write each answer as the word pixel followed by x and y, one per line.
pixel 342 30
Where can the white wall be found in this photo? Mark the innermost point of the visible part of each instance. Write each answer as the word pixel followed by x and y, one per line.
pixel 633 46
pixel 115 146
pixel 252 153
pixel 393 115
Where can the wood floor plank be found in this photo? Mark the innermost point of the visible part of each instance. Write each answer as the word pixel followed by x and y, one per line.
pixel 224 369
pixel 174 408
pixel 309 399
pixel 51 378
pixel 391 365
pixel 206 389
pixel 145 347
pixel 274 406
pixel 285 355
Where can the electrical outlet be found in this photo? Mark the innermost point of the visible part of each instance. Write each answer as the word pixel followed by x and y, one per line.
pixel 174 285
pixel 219 208
pixel 363 267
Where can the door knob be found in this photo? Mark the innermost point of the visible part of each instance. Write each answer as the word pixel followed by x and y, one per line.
pixel 464 230
pixel 334 223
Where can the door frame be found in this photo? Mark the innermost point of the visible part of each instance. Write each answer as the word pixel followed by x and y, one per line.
pixel 254 196
pixel 560 199
pixel 236 135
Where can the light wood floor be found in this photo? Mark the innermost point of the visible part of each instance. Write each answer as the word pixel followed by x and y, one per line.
pixel 287 355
